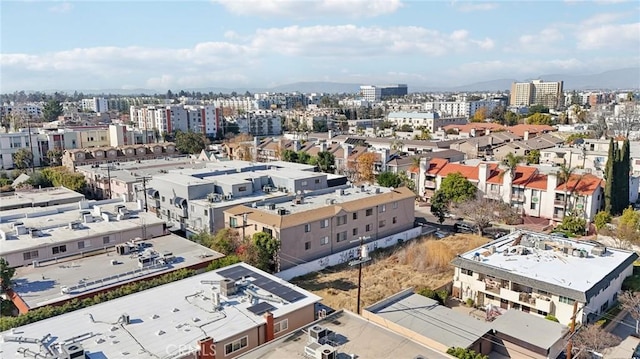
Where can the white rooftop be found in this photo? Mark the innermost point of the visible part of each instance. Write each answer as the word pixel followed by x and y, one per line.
pixel 39 197
pixel 53 223
pixel 163 320
pixel 43 284
pixel 550 265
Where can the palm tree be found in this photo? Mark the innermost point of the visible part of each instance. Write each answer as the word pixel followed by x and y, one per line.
pixel 564 175
pixel 510 164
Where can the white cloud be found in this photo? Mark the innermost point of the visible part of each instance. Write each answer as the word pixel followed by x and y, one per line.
pixel 603 18
pixel 311 8
pixel 61 8
pixel 611 36
pixel 475 6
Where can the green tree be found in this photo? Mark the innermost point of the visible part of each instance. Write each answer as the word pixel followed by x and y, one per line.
pixel 406 128
pixel 625 167
pixel 630 218
pixel 303 157
pixel 454 188
pixel 573 225
pixel 63 177
pixel 617 177
pixel 267 250
pixel 511 119
pixel 190 142
pixel 51 110
pixel 538 109
pixel 539 119
pixel 389 179
pixel 22 159
pixel 6 273
pixel 601 219
pixel 439 206
pixel 564 175
pixel 326 161
pixel 533 157
pixel 289 156
pixel 463 353
pixel 424 135
pixel 54 157
pixel 610 198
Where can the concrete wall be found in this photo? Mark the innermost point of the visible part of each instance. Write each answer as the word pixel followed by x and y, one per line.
pixel 346 255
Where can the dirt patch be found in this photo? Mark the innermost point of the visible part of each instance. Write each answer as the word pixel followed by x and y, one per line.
pixel 421 263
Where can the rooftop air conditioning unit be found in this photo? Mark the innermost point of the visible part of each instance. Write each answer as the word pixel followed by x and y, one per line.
pixel 71 351
pixel 227 287
pixel 326 352
pixel 317 333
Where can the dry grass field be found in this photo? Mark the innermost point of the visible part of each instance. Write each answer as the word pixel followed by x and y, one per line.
pixel 421 263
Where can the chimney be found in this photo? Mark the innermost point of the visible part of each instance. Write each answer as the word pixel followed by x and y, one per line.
pixel 269 330
pixel 487 131
pixel 483 171
pixel 323 146
pixel 207 349
pixel 330 136
pixel 347 151
pixel 525 136
pixel 296 145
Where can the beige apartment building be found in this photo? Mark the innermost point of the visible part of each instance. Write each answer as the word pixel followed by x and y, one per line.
pixel 316 226
pixel 537 92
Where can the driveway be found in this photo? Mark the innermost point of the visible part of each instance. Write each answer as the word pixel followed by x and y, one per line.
pixel 425 214
pixel 624 327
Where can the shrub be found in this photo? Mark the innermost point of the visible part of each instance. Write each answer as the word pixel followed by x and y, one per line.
pixel 470 302
pixel 430 293
pixel 601 219
pixel 463 353
pixel 552 318
pixel 223 262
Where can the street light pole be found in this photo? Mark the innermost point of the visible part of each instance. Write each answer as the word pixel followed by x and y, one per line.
pixel 363 257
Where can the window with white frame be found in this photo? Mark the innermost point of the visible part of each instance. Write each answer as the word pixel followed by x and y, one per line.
pixel 106 240
pixel 382 208
pixel 236 345
pixel 324 223
pixel 307 228
pixel 324 240
pixel 30 255
pixel 281 326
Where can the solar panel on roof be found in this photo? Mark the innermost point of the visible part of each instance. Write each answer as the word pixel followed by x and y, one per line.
pixel 261 308
pixel 264 283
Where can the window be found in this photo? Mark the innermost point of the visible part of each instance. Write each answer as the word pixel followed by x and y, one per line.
pixel 267 231
pixel 493 188
pixel 354 231
pixel 84 244
pixel 534 205
pixel 367 228
pixel 369 212
pixel 324 240
pixel 526 309
pixel 395 205
pixel 515 306
pixel 307 228
pixel 281 326
pixel 394 220
pixel 303 183
pixel 382 208
pixel 341 236
pixel 30 255
pixel 467 272
pixel 490 297
pixel 542 312
pixel 206 213
pixel 342 220
pixel 106 240
pixel 324 223
pixel 307 246
pixel 603 307
pixel 317 180
pixel 233 222
pixel 242 188
pixel 354 215
pixel 162 199
pixel 236 345
pixel 565 300
pixel 382 223
pixel 59 249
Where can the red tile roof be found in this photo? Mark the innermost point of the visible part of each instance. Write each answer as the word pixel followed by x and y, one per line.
pixel 539 181
pixel 468 172
pixel 585 184
pixel 525 176
pixel 520 129
pixel 478 126
pixel 435 165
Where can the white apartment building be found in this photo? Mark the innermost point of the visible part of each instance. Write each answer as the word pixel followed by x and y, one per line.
pixel 537 92
pixel 167 119
pixel 429 120
pixel 370 93
pixel 459 108
pixel 24 109
pixel 95 104
pixel 532 191
pixel 236 103
pixel 13 142
pixel 543 275
pixel 260 123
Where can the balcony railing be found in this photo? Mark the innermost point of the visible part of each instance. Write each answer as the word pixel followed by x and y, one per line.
pixel 558 202
pixel 558 216
pixel 517 197
pixel 429 184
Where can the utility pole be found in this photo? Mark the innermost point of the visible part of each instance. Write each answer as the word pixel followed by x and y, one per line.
pixel 244 221
pixel 572 329
pixel 144 191
pixel 33 156
pixel 108 167
pixel 363 257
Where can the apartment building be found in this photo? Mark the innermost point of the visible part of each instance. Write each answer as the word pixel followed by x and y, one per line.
pixel 537 92
pixel 526 145
pixel 193 200
pixel 260 123
pixel 44 197
pixel 543 275
pixel 374 93
pixel 103 155
pixel 534 191
pixel 39 234
pixel 171 118
pixel 95 104
pixel 10 143
pixel 215 315
pixel 464 109
pixel 428 120
pixel 312 226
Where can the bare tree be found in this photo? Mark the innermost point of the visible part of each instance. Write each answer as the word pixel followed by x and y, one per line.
pixel 481 211
pixel 630 302
pixel 627 119
pixel 592 338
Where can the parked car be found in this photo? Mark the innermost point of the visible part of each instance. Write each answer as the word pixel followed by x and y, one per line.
pixel 465 227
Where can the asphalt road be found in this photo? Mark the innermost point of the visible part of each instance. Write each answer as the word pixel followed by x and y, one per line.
pixel 625 327
pixel 425 214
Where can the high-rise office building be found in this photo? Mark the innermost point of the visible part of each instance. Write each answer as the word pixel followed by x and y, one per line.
pixel 377 93
pixel 536 92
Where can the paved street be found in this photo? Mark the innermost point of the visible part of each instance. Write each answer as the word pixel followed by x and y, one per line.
pixel 625 327
pixel 425 214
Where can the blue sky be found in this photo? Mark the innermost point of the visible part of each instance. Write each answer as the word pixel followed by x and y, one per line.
pixel 259 43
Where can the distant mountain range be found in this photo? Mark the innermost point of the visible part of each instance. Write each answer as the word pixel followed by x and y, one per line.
pixel 621 79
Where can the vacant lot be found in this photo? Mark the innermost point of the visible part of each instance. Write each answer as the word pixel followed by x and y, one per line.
pixel 421 263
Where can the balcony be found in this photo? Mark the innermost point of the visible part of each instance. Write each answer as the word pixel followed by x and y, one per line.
pixel 430 184
pixel 558 202
pixel 517 197
pixel 558 216
pixel 544 304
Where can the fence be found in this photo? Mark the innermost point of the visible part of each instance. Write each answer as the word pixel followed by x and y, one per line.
pixel 347 255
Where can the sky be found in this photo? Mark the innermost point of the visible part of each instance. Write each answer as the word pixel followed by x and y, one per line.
pixel 160 45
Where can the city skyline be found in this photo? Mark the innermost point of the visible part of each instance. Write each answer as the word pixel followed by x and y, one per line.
pixel 225 43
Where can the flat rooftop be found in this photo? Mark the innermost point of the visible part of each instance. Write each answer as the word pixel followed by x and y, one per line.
pixel 530 329
pixel 322 198
pixel 427 318
pixel 547 259
pixel 292 173
pixel 256 196
pixel 52 224
pixel 132 171
pixel 354 335
pixel 39 198
pixel 166 320
pixel 42 285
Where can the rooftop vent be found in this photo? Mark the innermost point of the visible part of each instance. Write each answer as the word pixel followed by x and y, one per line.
pixel 599 251
pixel 227 287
